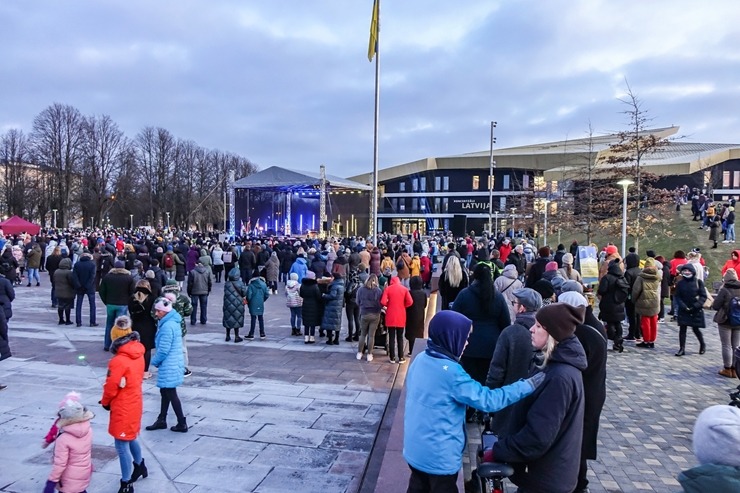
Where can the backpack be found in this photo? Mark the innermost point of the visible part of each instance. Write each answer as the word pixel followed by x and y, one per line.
pixel 621 290
pixel 169 262
pixel 733 317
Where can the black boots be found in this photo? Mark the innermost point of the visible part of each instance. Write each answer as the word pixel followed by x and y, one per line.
pixel 228 335
pixel 181 426
pixel 329 335
pixel 126 487
pixel 160 424
pixel 140 470
pixel 680 352
pixel 236 336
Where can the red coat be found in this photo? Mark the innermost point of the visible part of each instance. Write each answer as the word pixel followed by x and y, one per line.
pixel 426 264
pixel 396 298
pixel 505 250
pixel 731 264
pixel 127 402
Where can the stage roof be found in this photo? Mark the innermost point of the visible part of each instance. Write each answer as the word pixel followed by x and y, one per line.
pixel 283 179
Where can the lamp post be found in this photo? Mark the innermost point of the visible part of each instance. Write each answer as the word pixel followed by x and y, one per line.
pixel 55 217
pixel 545 234
pixel 131 216
pixel 492 167
pixel 168 220
pixel 625 184
pixel 513 224
pixel 495 232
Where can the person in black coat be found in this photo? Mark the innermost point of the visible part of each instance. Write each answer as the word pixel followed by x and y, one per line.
pixel 317 266
pixel 83 276
pixel 9 266
pixel 613 289
pixel 544 450
pixel 594 344
pixel 312 310
pixel 690 296
pixel 517 259
pixel 7 295
pixel 538 267
pixel 287 257
pixel 632 264
pixel 665 285
pixel 140 309
pixel 416 313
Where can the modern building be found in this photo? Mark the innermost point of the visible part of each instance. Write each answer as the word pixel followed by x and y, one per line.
pixel 452 192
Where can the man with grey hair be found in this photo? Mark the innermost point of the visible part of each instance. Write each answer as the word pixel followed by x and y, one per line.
pixel 513 357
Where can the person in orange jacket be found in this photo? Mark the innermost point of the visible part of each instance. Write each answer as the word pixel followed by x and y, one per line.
pixel 123 397
pixel 396 298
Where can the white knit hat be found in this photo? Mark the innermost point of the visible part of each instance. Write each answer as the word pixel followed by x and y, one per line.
pixel 163 305
pixel 717 436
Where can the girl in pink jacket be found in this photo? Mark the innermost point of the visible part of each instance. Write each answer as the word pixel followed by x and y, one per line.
pixel 72 468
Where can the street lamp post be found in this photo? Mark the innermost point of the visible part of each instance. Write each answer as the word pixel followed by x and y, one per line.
pixel 168 220
pixel 55 217
pixel 625 184
pixel 495 233
pixel 492 167
pixel 513 223
pixel 545 234
pixel 131 216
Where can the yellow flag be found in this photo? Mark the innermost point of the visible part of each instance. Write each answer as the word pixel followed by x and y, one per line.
pixel 372 48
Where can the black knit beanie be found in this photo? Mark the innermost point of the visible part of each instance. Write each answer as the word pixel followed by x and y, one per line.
pixel 560 319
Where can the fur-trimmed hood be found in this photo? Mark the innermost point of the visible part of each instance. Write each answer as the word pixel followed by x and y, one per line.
pixel 118 270
pixel 118 343
pixel 67 423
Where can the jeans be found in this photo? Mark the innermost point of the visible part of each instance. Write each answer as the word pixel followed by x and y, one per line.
pixel 253 322
pixel 730 234
pixel 353 319
pixel 468 260
pixel 296 318
pixel 246 275
pixel 368 325
pixel 201 299
pixel 78 307
pixel 111 313
pixel 53 293
pixel 33 273
pixel 127 449
pixel 730 339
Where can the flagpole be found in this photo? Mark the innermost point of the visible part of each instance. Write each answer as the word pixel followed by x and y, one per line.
pixel 374 213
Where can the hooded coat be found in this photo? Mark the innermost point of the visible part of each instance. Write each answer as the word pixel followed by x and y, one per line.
pixel 730 289
pixel 549 441
pixel 73 453
pixel 64 280
pixel 488 322
pixel 610 310
pixel 272 268
pixel 594 385
pixel 168 358
pixel 333 303
pixel 234 293
pixel 690 296
pixel 292 294
pixel 122 389
pixel 415 314
pixel 299 267
pixel 646 293
pixel 710 477
pixel 426 268
pixel 732 263
pixel 396 298
pixel 506 284
pixel 312 308
pixel 257 294
pixel 375 261
pixel 437 393
pixel 83 274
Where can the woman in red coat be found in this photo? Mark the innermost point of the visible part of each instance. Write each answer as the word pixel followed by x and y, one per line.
pixel 426 269
pixel 396 298
pixel 123 397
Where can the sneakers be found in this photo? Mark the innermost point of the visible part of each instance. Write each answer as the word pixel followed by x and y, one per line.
pixel 238 339
pixel 661 320
pixel 312 339
pixel 392 361
pixel 263 336
pixel 402 361
pixel 306 339
pixel 3 387
pixel 359 356
pixel 249 336
pixel 188 372
pixel 147 375
pixel 369 357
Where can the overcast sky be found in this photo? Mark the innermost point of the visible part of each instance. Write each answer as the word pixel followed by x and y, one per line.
pixel 288 82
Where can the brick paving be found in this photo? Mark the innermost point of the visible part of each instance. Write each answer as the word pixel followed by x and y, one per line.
pixel 277 414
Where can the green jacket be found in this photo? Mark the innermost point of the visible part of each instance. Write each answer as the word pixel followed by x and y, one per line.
pixel 712 478
pixel 181 305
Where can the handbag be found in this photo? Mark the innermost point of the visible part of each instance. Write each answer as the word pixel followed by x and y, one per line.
pixel 710 299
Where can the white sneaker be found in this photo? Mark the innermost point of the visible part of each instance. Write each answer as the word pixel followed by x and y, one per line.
pixel 359 356
pixel 369 357
pixel 661 320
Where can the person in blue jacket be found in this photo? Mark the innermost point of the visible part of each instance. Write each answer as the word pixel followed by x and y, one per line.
pixel 437 393
pixel 299 267
pixel 83 277
pixel 171 364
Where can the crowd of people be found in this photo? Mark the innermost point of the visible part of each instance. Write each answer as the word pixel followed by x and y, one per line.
pixel 502 301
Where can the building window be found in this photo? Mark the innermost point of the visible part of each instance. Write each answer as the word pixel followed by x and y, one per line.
pixel 437 183
pixel 423 183
pixel 725 179
pixel 415 185
pixel 507 182
pixel 437 202
pixel 445 183
pixel 502 203
pixel 414 204
pixel 423 205
pixel 402 205
pixel 447 224
pixel 553 187
pixel 476 182
pixel 445 204
pixel 539 184
pixel 525 182
pixel 394 204
pixel 736 179
pixel 402 186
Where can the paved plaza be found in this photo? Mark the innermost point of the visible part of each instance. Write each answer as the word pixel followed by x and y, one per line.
pixel 278 415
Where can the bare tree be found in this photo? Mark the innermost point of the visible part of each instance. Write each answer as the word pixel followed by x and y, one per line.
pixel 15 157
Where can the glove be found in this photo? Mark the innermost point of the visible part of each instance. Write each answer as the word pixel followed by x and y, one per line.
pixel 536 380
pixel 107 408
pixel 50 487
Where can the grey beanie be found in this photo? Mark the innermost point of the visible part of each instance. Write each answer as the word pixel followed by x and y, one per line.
pixel 717 436
pixel 572 286
pixel 528 298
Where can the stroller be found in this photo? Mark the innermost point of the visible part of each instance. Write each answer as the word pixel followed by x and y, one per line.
pixel 381 335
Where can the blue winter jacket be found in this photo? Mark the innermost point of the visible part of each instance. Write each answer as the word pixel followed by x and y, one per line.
pixel 257 294
pixel 168 358
pixel 83 275
pixel 437 392
pixel 299 267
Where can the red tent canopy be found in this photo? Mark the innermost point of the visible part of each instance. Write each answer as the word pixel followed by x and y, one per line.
pixel 15 225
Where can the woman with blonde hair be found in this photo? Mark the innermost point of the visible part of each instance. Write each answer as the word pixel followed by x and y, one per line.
pixel 567 270
pixel 453 280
